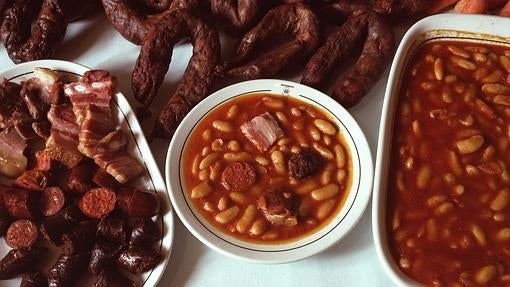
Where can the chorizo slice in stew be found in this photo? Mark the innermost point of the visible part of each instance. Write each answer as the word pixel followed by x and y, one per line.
pixel 98 202
pixel 238 176
pixel 22 233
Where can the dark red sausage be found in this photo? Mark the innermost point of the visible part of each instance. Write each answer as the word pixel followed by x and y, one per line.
pixel 22 233
pixel 34 279
pixel 98 202
pixel 52 200
pixel 138 259
pixel 67 270
pixel 238 176
pixel 4 217
pixel 112 229
pixel 112 278
pixel 303 164
pixel 137 203
pixel 53 227
pixel 103 256
pixel 80 238
pixel 104 179
pixel 19 261
pixel 21 203
pixel 144 231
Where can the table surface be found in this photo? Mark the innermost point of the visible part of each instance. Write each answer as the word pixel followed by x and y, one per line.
pixel 351 262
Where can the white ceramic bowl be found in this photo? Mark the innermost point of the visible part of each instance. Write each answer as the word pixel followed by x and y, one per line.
pixel 137 147
pixel 313 243
pixel 492 29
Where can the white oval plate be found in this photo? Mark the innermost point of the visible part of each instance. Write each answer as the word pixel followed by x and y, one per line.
pixel 344 221
pixel 491 29
pixel 137 147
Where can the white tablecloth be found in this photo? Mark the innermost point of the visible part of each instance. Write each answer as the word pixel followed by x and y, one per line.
pixel 351 262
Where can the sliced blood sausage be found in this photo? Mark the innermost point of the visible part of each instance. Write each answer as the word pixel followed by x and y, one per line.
pixel 79 239
pixel 52 200
pixel 79 178
pixel 238 176
pixel 19 261
pixel 112 229
pixel 103 256
pixel 137 203
pixel 110 277
pixel 34 279
pixel 138 259
pixel 303 164
pixel 67 269
pixel 279 206
pixel 144 231
pixel 104 179
pixel 22 233
pixel 98 202
pixel 21 203
pixel 53 227
pixel 33 180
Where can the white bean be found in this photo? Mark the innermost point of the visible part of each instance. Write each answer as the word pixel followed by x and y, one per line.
pixel 203 174
pixel 246 219
pixel 262 160
pixel 325 127
pixel 325 192
pixel 234 146
pixel 271 102
pixel 306 187
pixel 237 197
pixel 237 156
pixel 324 152
pixel 258 227
pixel 208 161
pixel 217 144
pixel 325 209
pixel 201 190
pixel 501 200
pixel 278 161
pixel 227 215
pixel 223 126
pixel 206 135
pixel 281 117
pixel 195 164
pixel 232 111
pixel 223 203
pixel 314 133
pixel 339 156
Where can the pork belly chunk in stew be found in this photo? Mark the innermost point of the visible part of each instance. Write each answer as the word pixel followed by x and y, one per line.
pixel 279 206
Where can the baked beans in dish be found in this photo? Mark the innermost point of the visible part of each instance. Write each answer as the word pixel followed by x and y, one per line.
pixel 448 217
pixel 266 168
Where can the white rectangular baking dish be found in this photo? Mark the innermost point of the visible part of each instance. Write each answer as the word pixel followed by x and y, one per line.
pixel 485 28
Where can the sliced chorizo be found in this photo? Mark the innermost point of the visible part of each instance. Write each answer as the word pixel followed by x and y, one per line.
pixel 22 233
pixel 98 202
pixel 238 176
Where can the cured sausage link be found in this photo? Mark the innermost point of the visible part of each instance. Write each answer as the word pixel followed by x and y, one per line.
pixel 377 50
pixel 294 19
pixel 25 42
pixel 154 59
pixel 338 44
pixel 67 269
pixel 127 18
pixel 18 261
pixel 238 13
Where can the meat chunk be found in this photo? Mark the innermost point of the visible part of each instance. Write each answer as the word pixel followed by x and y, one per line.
pixel 33 180
pixel 303 164
pixel 12 160
pixel 262 131
pixel 11 101
pixel 279 206
pixel 238 176
pixel 119 165
pixel 79 178
pixel 19 261
pixel 62 145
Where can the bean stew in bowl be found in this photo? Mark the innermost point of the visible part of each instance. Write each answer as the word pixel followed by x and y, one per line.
pixel 269 171
pixel 442 197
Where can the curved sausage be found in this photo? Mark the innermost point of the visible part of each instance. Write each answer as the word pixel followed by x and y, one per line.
pixel 137 203
pixel 239 14
pixel 98 202
pixel 53 227
pixel 377 51
pixel 21 203
pixel 138 259
pixel 19 261
pixel 76 10
pixel 79 178
pixel 52 200
pixel 26 41
pixel 296 21
pixel 155 56
pixel 104 179
pixel 22 233
pixel 337 46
